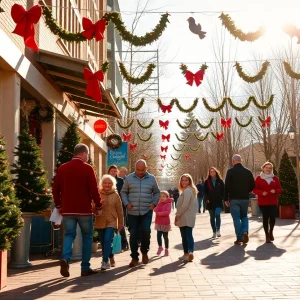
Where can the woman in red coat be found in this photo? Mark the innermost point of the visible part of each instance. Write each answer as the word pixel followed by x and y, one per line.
pixel 267 189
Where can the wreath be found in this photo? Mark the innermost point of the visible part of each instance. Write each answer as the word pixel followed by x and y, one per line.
pixel 42 114
pixel 114 141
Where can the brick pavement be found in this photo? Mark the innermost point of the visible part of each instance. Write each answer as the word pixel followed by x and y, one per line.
pixel 220 270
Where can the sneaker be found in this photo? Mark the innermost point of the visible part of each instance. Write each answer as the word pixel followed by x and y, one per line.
pixel 191 257
pixel 88 272
pixel 245 238
pixel 214 235
pixel 105 266
pixel 218 233
pixel 159 251
pixel 145 258
pixel 238 242
pixel 133 263
pixel 166 252
pixel 112 262
pixel 184 257
pixel 64 268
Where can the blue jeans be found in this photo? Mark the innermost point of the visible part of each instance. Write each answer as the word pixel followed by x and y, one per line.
pixel 106 236
pixel 139 226
pixel 187 239
pixel 239 213
pixel 86 225
pixel 200 201
pixel 215 218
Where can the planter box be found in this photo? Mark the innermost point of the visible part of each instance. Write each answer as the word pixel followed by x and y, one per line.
pixel 287 211
pixel 3 269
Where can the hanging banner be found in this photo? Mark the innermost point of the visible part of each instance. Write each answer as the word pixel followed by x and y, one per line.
pixel 118 157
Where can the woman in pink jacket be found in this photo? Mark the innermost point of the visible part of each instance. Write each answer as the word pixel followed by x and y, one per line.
pixel 162 221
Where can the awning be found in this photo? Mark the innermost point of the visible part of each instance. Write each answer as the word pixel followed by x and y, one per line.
pixel 67 73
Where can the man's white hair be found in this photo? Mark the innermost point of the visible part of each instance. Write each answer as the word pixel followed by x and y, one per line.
pixel 141 161
pixel 237 157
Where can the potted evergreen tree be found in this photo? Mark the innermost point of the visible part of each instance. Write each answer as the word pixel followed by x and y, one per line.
pixel 289 196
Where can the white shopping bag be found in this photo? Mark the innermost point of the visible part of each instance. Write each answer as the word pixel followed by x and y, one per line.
pixel 56 217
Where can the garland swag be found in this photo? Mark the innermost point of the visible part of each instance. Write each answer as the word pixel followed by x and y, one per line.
pixel 205 126
pixel 183 139
pixel 138 107
pixel 255 78
pixel 125 126
pixel 191 122
pixel 292 31
pixel 175 101
pixel 237 33
pixel 147 125
pixel 136 80
pixel 195 149
pixel 184 68
pixel 201 139
pixel 289 71
pixel 113 17
pixel 178 148
pixel 244 125
pixel 145 139
pixel 175 158
pixel 239 108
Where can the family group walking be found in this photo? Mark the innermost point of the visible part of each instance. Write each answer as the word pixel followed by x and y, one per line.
pixel 78 198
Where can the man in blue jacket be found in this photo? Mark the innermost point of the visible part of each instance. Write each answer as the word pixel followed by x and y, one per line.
pixel 140 194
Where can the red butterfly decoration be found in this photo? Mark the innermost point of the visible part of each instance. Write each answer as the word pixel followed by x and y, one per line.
pixel 266 123
pixel 226 123
pixel 191 77
pixel 162 166
pixel 132 147
pixel 127 137
pixel 164 148
pixel 219 136
pixel 166 137
pixel 145 156
pixel 187 156
pixel 25 21
pixel 93 30
pixel 93 88
pixel 163 157
pixel 166 108
pixel 164 124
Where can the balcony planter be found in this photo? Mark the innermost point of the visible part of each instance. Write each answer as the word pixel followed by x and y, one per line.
pixel 287 211
pixel 3 269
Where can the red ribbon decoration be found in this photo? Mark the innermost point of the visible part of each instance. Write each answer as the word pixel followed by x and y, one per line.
pixel 187 156
pixel 25 21
pixel 166 108
pixel 164 124
pixel 226 123
pixel 163 157
pixel 132 147
pixel 93 30
pixel 219 136
pixel 191 77
pixel 93 88
pixel 162 166
pixel 166 137
pixel 164 148
pixel 266 123
pixel 127 137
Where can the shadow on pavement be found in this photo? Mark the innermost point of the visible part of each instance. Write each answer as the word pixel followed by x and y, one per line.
pixel 266 251
pixel 202 245
pixel 169 268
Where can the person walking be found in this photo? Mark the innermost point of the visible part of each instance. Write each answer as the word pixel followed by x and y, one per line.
pixel 109 220
pixel 175 196
pixel 122 172
pixel 74 188
pixel 140 195
pixel 268 188
pixel 239 182
pixel 186 215
pixel 213 197
pixel 200 195
pixel 162 221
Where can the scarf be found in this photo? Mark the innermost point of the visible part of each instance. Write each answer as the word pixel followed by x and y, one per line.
pixel 267 177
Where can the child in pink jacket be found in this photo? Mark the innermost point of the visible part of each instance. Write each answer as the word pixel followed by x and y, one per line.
pixel 162 221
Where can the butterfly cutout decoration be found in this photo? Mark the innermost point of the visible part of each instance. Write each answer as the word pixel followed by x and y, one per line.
pixel 164 124
pixel 266 123
pixel 127 137
pixel 219 136
pixel 226 123
pixel 166 108
pixel 187 156
pixel 132 147
pixel 163 157
pixel 164 148
pixel 191 77
pixel 165 137
pixel 93 30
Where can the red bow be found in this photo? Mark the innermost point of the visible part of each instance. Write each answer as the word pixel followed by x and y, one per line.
pixel 162 166
pixel 226 123
pixel 191 77
pixel 220 136
pixel 93 88
pixel 132 147
pixel 166 108
pixel 163 157
pixel 164 149
pixel 187 156
pixel 25 21
pixel 127 137
pixel 164 124
pixel 93 30
pixel 166 137
pixel 266 123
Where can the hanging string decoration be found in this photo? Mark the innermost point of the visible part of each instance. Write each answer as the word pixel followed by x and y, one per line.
pixel 201 138
pixel 175 158
pixel 244 125
pixel 136 108
pixel 251 79
pixel 136 80
pixel 133 147
pixel 165 138
pixel 146 126
pixel 127 137
pixel 292 31
pixel 164 149
pixel 182 139
pixel 265 122
pixel 195 149
pixel 239 108
pixel 183 146
pixel 125 126
pixel 191 78
pixel 226 123
pixel 205 126
pixel 290 72
pixel 164 124
pixel 218 136
pixel 144 139
pixel 238 33
pixel 114 141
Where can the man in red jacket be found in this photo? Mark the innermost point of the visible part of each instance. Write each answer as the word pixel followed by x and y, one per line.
pixel 75 187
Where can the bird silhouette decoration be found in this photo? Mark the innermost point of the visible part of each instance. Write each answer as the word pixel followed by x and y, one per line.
pixel 196 29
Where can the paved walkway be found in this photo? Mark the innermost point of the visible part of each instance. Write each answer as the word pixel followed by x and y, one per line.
pixel 220 270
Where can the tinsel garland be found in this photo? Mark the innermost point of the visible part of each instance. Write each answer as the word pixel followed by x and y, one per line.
pixel 184 68
pixel 124 126
pixel 144 139
pixel 255 78
pixel 113 17
pixel 191 122
pixel 176 158
pixel 195 149
pixel 237 33
pixel 214 135
pixel 173 167
pixel 239 108
pixel 185 126
pixel 201 139
pixel 145 126
pixel 183 139
pixel 183 146
pixel 138 107
pixel 205 126
pixel 175 101
pixel 292 31
pixel 136 80
pixel 244 125
pixel 289 71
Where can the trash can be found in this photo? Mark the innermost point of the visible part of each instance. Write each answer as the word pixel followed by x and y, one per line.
pixel 254 207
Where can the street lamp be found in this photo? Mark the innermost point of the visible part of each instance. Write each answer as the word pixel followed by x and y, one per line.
pixel 291 133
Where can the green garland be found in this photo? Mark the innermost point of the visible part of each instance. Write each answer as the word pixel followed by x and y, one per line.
pixel 178 149
pixel 255 78
pixel 185 126
pixel 237 33
pixel 145 126
pixel 144 139
pixel 176 158
pixel 201 139
pixel 205 126
pixel 214 135
pixel 184 139
pixel 188 109
pixel 243 125
pixel 113 17
pixel 239 108
pixel 136 80
pixel 138 107
pixel 195 149
pixel 125 126
pixel 104 67
pixel 184 68
pixel 289 71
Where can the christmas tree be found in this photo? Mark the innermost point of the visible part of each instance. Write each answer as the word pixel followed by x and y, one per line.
pixel 10 214
pixel 31 183
pixel 288 181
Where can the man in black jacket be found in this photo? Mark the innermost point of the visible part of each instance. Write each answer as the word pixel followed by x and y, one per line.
pixel 239 183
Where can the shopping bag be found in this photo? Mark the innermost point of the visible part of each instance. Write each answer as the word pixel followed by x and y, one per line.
pixel 56 217
pixel 116 244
